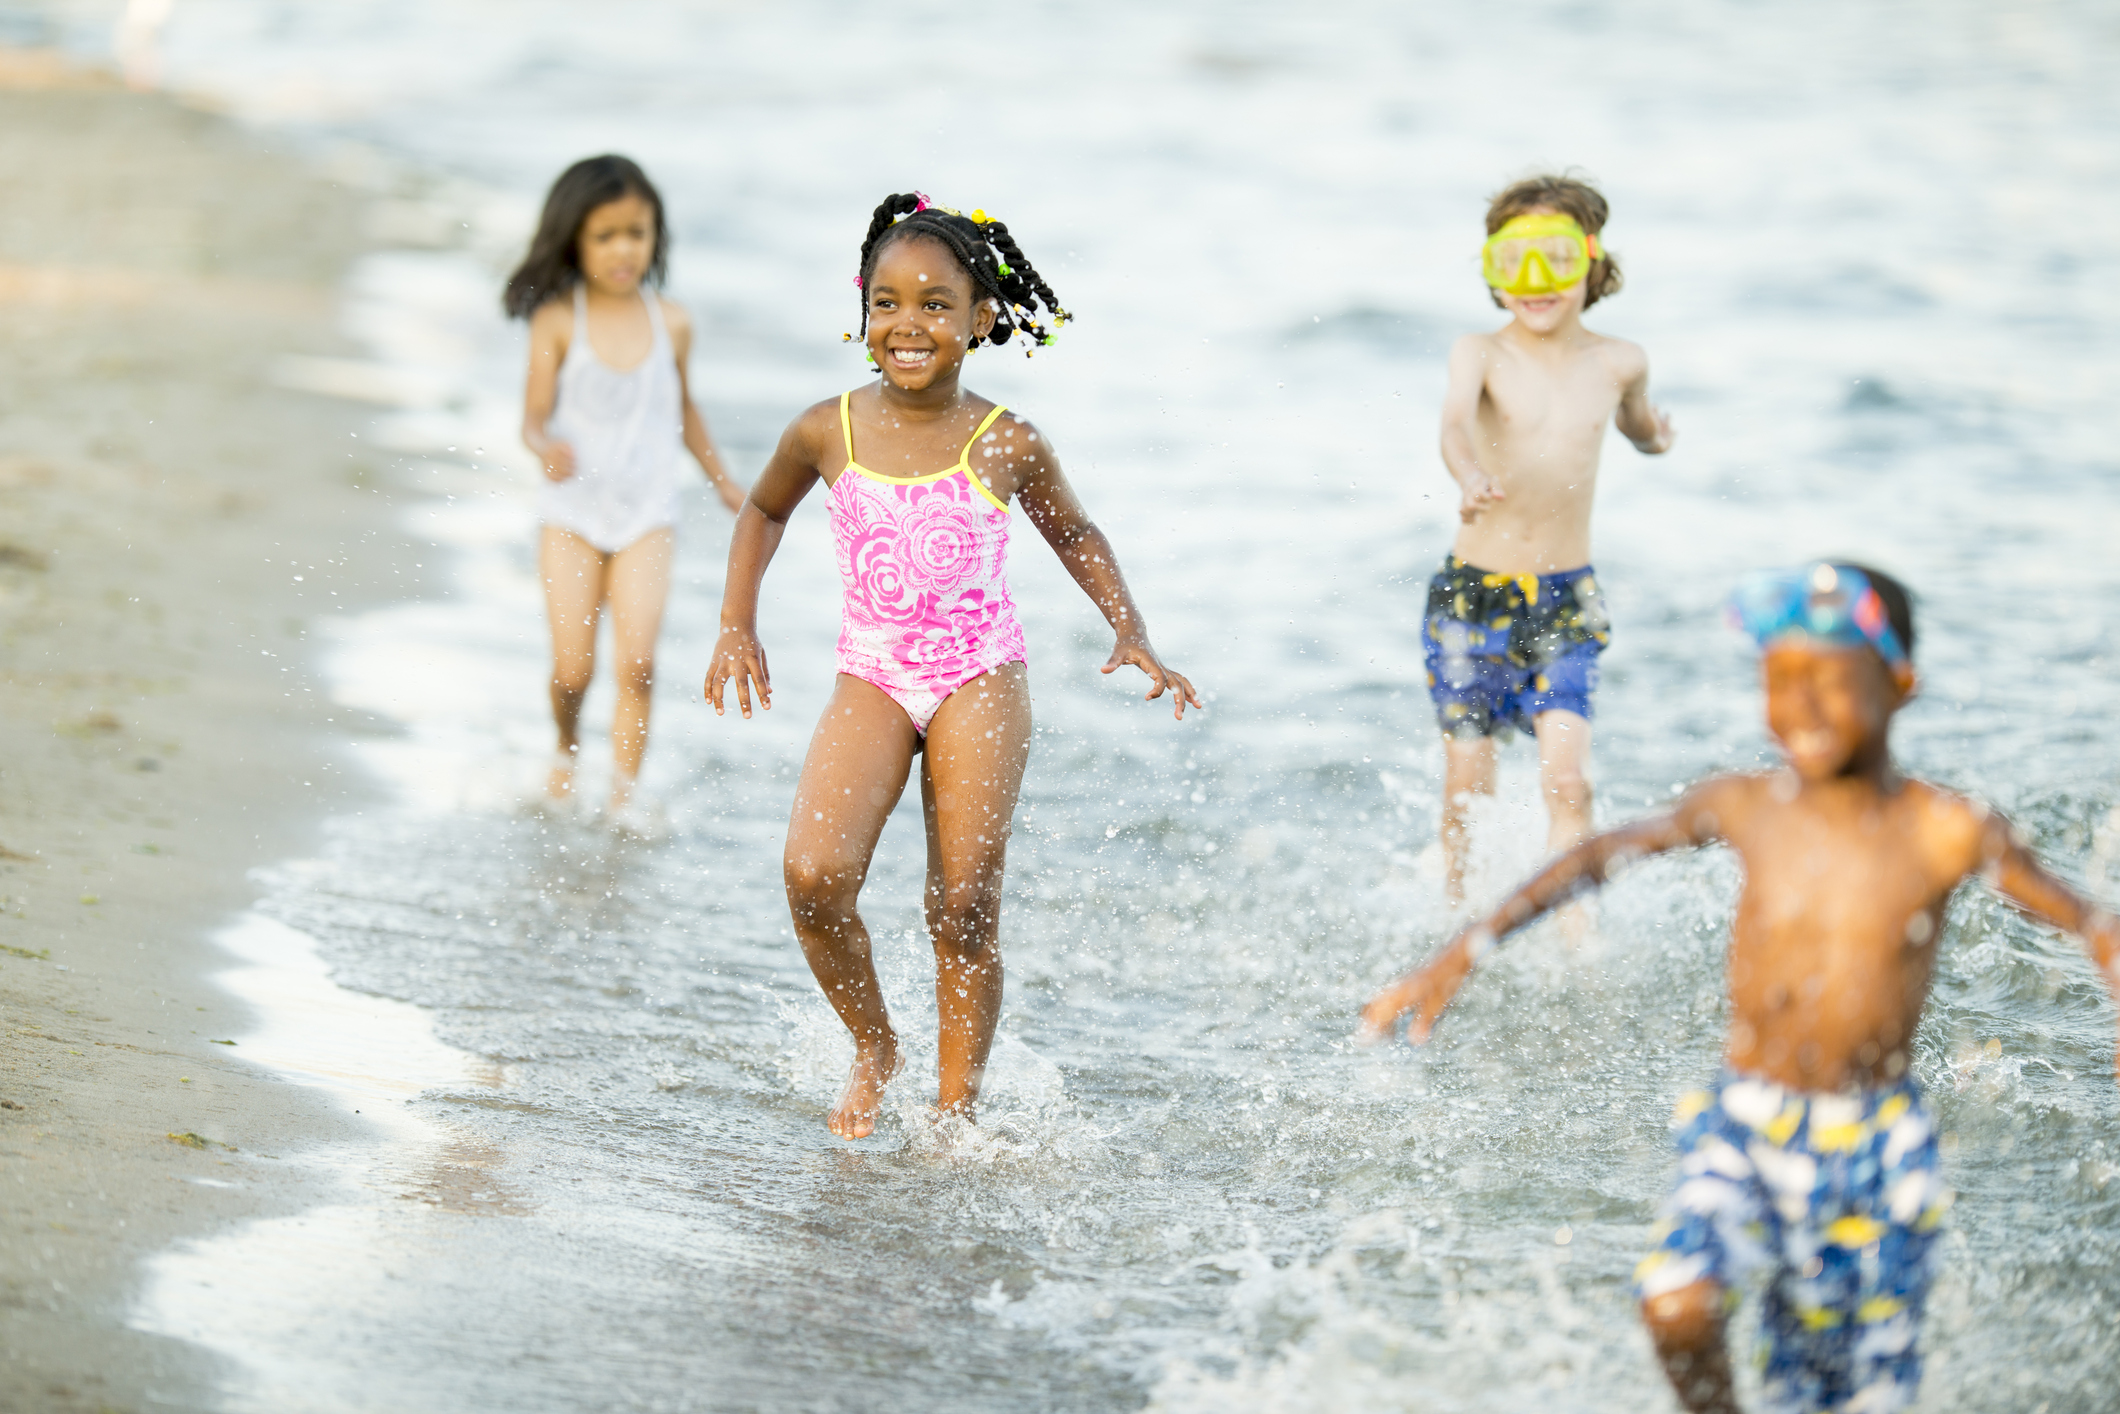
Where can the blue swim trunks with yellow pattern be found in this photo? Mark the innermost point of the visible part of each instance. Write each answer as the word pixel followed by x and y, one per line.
pixel 1838 1199
pixel 1502 648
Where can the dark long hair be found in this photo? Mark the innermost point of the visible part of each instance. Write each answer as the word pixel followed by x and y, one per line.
pixel 988 253
pixel 554 265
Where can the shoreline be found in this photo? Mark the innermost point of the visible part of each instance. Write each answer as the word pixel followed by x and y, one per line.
pixel 174 528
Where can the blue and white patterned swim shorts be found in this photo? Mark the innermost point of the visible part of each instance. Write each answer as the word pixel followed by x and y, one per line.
pixel 1838 1198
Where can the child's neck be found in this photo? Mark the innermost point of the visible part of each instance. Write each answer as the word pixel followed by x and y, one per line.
pixel 1871 768
pixel 939 399
pixel 1561 335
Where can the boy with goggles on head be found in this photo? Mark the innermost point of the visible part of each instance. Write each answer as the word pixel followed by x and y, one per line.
pixel 1812 1156
pixel 1514 620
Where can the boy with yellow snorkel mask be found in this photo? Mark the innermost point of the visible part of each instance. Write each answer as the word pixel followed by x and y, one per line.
pixel 1514 621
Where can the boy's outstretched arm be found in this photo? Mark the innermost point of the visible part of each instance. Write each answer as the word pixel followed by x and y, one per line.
pixel 2009 867
pixel 1640 421
pixel 1461 428
pixel 1695 820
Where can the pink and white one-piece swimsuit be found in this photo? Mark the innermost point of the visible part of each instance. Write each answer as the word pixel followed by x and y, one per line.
pixel 924 562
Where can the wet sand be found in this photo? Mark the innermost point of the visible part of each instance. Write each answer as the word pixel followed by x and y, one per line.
pixel 161 728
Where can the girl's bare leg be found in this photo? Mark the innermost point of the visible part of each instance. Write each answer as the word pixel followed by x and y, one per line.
pixel 573 572
pixel 970 776
pixel 1468 770
pixel 855 771
pixel 637 582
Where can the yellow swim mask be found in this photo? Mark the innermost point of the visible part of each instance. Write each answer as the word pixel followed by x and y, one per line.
pixel 1538 255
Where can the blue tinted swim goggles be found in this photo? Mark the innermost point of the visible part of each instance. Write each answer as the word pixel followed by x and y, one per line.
pixel 1830 603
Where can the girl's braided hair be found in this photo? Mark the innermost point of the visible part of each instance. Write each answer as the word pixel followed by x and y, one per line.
pixel 988 253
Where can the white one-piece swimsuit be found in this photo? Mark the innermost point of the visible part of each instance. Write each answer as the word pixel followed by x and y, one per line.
pixel 627 431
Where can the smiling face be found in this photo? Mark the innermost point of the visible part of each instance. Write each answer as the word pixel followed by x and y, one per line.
pixel 924 313
pixel 616 244
pixel 1542 314
pixel 1830 706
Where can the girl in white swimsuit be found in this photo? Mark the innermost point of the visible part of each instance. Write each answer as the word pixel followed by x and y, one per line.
pixel 608 413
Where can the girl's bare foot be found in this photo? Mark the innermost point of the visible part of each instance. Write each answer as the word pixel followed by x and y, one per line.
pixel 854 1117
pixel 632 811
pixel 559 782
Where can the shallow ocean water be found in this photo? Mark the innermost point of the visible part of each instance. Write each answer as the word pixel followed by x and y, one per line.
pixel 1862 248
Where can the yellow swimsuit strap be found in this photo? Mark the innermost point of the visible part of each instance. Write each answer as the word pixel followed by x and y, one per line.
pixel 964 459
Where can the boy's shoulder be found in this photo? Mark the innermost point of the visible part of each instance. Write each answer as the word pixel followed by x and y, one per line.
pixel 1957 832
pixel 1627 360
pixel 1713 806
pixel 1624 359
pixel 1960 831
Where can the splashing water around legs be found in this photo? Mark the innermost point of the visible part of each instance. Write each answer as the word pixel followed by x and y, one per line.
pixel 856 769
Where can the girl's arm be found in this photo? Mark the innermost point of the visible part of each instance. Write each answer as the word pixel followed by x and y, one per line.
pixel 1058 513
pixel 1461 428
pixel 550 329
pixel 698 441
pixel 738 655
pixel 1697 819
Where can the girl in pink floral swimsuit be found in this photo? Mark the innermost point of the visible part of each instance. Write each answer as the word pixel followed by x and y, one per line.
pixel 931 658
pixel 924 560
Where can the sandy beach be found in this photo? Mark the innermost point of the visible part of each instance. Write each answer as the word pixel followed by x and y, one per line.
pixel 163 510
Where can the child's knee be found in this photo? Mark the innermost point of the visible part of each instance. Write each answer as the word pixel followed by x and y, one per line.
pixel 1689 1318
pixel 819 888
pixel 963 920
pixel 570 677
pixel 636 675
pixel 1566 783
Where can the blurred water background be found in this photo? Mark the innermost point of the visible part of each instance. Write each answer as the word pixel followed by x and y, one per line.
pixel 1861 245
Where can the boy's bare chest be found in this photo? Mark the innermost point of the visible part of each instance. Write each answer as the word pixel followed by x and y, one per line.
pixel 1532 402
pixel 1857 879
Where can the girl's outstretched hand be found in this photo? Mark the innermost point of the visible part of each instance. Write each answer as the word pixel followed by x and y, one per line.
pixel 1137 652
pixel 1425 991
pixel 557 458
pixel 739 658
